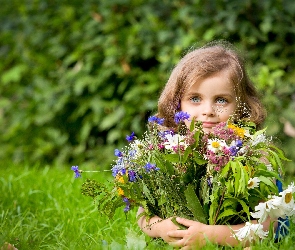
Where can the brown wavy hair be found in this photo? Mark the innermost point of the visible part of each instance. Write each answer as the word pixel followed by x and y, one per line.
pixel 204 62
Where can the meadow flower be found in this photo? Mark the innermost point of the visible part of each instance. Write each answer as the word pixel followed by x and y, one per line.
pixel 285 202
pixel 127 202
pixel 149 166
pixel 240 132
pixel 131 137
pixel 131 175
pixel 258 139
pixel 181 116
pixel 118 153
pixel 215 145
pixel 136 148
pixel 268 208
pixel 173 141
pixel 250 232
pixel 157 120
pixel 120 191
pixel 253 183
pixel 223 132
pixel 77 171
pixel 162 134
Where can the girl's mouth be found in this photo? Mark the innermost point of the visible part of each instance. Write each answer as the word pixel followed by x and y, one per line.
pixel 209 124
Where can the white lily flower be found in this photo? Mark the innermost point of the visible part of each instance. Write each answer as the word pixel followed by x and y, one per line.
pixel 250 232
pixel 253 183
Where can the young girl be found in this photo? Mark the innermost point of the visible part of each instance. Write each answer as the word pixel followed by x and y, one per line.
pixel 211 84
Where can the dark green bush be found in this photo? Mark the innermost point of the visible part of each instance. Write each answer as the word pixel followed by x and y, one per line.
pixel 78 76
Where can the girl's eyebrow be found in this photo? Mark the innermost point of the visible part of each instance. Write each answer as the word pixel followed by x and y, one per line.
pixel 220 94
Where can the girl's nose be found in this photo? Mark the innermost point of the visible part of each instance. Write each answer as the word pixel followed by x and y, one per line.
pixel 208 109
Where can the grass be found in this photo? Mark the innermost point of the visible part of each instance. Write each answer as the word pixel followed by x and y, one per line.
pixel 42 208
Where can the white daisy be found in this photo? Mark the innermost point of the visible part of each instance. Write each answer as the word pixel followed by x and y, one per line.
pixel 215 145
pixel 137 148
pixel 285 202
pixel 173 141
pixel 250 231
pixel 253 183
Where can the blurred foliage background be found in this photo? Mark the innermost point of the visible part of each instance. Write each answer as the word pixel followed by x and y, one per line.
pixel 78 76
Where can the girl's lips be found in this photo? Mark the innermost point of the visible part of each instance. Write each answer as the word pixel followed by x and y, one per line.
pixel 209 124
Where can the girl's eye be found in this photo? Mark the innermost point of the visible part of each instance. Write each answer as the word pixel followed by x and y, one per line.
pixel 195 99
pixel 221 100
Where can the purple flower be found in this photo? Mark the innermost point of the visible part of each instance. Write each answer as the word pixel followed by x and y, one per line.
pixel 118 153
pixel 115 171
pixel 149 166
pixel 77 171
pixel 131 176
pixel 163 134
pixel 181 116
pixel 233 150
pixel 127 202
pixel 239 143
pixel 155 119
pixel 131 137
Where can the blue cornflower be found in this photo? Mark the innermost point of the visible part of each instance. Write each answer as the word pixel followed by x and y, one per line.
pixel 127 202
pixel 149 166
pixel 131 175
pixel 131 137
pixel 239 143
pixel 233 150
pixel 115 171
pixel 163 134
pixel 181 116
pixel 155 119
pixel 77 171
pixel 118 153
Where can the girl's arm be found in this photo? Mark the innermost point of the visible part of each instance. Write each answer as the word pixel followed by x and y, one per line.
pixel 197 234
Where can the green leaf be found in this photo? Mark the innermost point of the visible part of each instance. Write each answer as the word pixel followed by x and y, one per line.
pixel 226 213
pixel 148 194
pixel 194 204
pixel 268 182
pixel 174 158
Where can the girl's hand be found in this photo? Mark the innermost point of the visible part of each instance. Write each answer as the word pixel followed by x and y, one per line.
pixel 166 226
pixel 191 238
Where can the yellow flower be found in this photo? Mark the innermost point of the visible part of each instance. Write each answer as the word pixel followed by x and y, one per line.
pixel 238 131
pixel 120 178
pixel 215 144
pixel 120 191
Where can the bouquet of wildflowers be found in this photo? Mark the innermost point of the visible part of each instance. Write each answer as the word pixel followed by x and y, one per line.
pixel 160 172
pixel 227 176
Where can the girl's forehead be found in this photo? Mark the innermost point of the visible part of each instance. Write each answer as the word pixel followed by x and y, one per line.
pixel 214 83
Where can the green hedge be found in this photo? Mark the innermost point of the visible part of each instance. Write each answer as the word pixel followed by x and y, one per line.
pixel 78 76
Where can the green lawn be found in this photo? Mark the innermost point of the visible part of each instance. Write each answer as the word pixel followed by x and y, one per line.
pixel 42 208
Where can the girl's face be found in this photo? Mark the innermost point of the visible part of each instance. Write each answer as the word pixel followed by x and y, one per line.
pixel 211 101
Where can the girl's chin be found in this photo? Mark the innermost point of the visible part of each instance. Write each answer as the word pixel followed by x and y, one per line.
pixel 207 130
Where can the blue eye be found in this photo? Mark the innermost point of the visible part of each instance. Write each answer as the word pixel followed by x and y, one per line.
pixel 221 100
pixel 195 99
